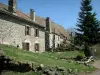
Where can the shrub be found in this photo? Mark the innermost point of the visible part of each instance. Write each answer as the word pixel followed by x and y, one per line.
pixel 79 57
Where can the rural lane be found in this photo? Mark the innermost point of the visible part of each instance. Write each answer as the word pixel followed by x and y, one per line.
pixel 96 64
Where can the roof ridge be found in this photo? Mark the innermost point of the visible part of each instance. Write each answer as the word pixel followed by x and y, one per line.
pixel 39 20
pixel 23 13
pixel 3 5
pixel 40 16
pixel 58 25
pixel 16 10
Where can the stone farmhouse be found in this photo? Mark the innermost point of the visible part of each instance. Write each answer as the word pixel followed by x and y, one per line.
pixel 30 32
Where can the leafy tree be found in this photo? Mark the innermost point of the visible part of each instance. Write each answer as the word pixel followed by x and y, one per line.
pixel 88 25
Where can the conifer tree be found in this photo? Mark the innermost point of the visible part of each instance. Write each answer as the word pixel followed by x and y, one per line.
pixel 88 25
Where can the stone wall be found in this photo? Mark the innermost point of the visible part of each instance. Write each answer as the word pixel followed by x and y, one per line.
pixel 58 40
pixel 12 32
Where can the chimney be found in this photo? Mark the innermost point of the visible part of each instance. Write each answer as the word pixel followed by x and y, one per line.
pixel 12 6
pixel 48 24
pixel 47 36
pixel 32 14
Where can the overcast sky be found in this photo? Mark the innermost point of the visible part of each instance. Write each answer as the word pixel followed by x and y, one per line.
pixel 63 12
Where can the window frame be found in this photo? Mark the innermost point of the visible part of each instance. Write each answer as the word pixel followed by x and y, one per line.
pixel 37 47
pixel 36 32
pixel 58 38
pixel 27 30
pixel 26 46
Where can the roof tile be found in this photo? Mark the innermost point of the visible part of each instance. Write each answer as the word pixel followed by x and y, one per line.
pixel 58 29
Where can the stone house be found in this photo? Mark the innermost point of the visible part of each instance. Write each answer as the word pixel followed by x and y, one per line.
pixel 30 32
pixel 55 34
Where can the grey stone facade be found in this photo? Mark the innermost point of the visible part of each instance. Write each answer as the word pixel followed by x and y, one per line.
pixel 53 36
pixel 14 25
pixel 13 33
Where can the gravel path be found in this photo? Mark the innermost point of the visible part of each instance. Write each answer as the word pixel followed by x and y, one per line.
pixel 95 73
pixel 96 64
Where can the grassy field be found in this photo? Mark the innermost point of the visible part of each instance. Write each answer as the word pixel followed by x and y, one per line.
pixel 48 59
pixel 18 73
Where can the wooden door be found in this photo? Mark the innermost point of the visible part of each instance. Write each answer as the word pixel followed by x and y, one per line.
pixel 36 47
pixel 26 46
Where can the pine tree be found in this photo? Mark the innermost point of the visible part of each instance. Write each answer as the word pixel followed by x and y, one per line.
pixel 88 25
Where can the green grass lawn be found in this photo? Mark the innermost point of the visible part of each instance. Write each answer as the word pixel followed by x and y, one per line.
pixel 48 59
pixel 18 73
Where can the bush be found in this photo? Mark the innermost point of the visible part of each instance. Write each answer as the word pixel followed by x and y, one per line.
pixel 79 57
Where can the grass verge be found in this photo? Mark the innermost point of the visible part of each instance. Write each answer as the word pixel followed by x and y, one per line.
pixel 48 59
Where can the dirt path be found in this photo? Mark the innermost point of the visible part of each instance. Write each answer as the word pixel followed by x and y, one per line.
pixel 96 64
pixel 95 73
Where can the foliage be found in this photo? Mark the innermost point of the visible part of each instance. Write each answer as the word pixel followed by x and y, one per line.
pixel 87 51
pixel 79 57
pixel 63 47
pixel 48 59
pixel 18 73
pixel 88 27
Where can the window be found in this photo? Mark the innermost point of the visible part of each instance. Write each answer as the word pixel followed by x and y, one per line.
pixel 26 46
pixel 58 38
pixel 36 47
pixel 27 30
pixel 58 45
pixel 36 32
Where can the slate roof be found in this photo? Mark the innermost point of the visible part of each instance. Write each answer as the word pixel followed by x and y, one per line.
pixel 39 20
